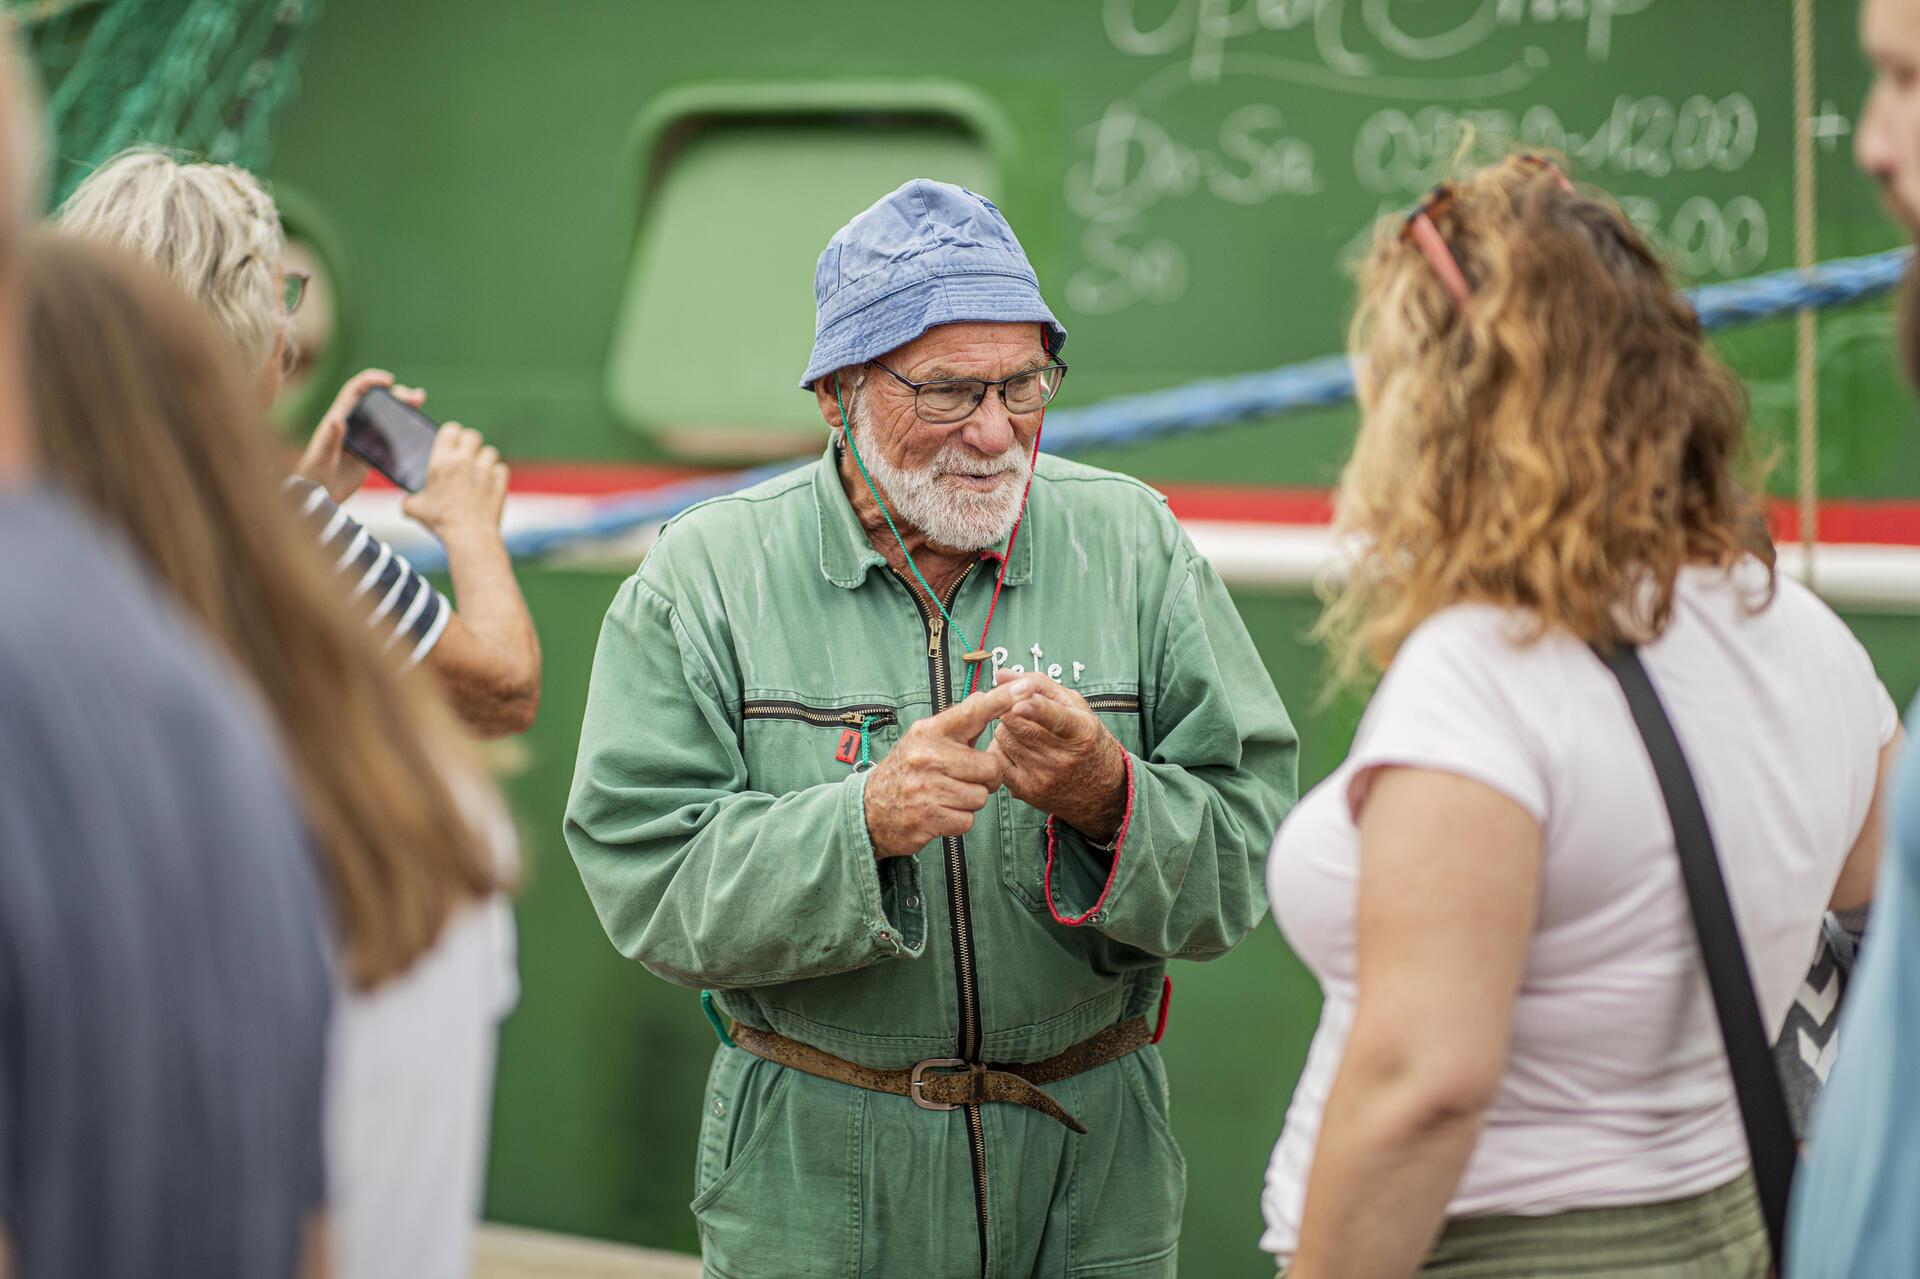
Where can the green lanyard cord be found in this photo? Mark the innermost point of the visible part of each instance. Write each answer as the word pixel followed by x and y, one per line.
pixel 866 745
pixel 888 516
pixel 713 1018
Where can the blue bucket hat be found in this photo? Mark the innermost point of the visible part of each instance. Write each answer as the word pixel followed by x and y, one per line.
pixel 929 253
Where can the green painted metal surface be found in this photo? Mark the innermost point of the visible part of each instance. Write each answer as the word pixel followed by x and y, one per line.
pixel 1188 175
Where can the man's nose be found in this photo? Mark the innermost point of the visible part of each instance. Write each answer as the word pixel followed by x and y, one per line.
pixel 1873 149
pixel 989 431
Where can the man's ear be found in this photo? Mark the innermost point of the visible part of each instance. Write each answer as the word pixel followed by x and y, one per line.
pixel 823 393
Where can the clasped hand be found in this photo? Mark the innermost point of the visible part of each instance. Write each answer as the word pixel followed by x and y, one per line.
pixel 1050 751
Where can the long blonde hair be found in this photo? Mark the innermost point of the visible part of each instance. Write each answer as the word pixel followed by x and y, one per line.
pixel 211 227
pixel 142 411
pixel 1564 446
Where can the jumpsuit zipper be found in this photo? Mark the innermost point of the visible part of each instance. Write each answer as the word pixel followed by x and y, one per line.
pixel 960 912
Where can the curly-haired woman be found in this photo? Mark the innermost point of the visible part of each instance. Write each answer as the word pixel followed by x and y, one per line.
pixel 1518 1070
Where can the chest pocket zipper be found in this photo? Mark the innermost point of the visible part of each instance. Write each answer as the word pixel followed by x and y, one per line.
pixel 857 724
pixel 821 716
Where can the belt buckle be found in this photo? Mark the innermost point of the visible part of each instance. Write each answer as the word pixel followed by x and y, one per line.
pixel 920 1068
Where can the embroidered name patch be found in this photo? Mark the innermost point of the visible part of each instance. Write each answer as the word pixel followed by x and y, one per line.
pixel 1055 671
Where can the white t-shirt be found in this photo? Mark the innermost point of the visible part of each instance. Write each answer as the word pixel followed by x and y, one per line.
pixel 410 1100
pixel 1616 1089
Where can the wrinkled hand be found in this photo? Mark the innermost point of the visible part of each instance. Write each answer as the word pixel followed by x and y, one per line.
pixel 1059 757
pixel 933 781
pixel 466 486
pixel 326 461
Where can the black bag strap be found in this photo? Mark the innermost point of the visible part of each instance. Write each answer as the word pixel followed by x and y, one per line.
pixel 1756 1083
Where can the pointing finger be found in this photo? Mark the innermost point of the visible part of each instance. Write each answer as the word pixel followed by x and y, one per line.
pixel 1048 687
pixel 1023 683
pixel 963 723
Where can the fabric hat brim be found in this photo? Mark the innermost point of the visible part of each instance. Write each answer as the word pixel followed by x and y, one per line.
pixel 890 321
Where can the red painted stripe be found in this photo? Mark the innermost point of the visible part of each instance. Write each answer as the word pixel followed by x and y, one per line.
pixel 583 479
pixel 1244 504
pixel 1878 523
pixel 1888 522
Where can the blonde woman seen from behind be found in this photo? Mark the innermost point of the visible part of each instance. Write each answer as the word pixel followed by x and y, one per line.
pixel 215 231
pixel 146 421
pixel 1518 1068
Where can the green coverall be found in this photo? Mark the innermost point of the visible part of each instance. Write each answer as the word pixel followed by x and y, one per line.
pixel 717 820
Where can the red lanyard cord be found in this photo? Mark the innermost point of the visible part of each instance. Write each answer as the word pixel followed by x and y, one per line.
pixel 978 657
pixel 1033 468
pixel 973 680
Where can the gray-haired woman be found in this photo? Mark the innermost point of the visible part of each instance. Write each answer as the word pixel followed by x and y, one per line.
pixel 215 230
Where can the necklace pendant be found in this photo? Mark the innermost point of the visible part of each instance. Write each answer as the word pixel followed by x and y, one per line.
pixel 975 658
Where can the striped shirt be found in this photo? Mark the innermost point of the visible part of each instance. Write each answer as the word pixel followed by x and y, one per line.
pixel 401 599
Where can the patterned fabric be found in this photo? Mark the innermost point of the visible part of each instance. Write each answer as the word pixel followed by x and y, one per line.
pixel 1808 1041
pixel 400 598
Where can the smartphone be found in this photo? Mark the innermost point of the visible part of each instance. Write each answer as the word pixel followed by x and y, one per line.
pixel 392 437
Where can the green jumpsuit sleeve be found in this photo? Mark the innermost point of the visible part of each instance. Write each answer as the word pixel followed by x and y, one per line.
pixel 702 879
pixel 1187 876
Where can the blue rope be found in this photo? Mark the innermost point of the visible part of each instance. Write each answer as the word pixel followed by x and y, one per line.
pixel 1216 402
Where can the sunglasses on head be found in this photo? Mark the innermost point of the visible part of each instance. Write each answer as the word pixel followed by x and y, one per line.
pixel 1421 228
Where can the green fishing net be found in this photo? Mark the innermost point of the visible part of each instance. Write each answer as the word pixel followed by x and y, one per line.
pixel 202 76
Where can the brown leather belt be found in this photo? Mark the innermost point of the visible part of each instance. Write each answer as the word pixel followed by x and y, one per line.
pixel 947 1083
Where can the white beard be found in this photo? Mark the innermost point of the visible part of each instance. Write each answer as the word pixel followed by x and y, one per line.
pixel 951 516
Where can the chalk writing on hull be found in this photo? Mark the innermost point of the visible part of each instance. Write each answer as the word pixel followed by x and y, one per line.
pixel 1205 31
pixel 1239 97
pixel 1405 152
pixel 1134 163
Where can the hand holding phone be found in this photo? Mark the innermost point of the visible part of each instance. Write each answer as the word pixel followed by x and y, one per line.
pixel 325 459
pixel 392 437
pixel 466 487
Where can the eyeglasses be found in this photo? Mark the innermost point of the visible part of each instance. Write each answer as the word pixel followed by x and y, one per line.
pixel 1421 228
pixel 952 399
pixel 293 288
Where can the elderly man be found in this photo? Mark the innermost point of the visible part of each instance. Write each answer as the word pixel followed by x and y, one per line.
pixel 936 923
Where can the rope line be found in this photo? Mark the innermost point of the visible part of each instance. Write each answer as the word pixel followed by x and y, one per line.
pixel 1321 383
pixel 1806 322
pixel 986 627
